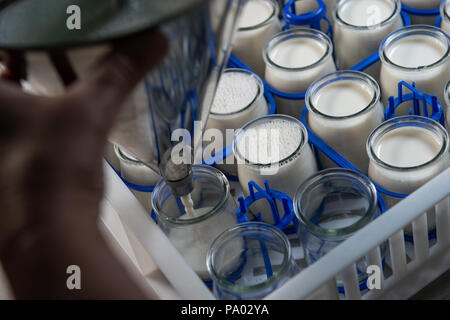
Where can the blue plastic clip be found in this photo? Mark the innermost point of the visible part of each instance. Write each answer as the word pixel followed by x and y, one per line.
pixel 272 196
pixel 437 113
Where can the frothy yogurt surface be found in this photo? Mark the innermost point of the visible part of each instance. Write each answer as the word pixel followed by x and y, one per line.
pixel 236 91
pixel 407 147
pixel 270 142
pixel 366 13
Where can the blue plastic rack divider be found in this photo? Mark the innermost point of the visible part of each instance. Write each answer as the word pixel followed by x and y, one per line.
pixel 282 222
pixel 311 19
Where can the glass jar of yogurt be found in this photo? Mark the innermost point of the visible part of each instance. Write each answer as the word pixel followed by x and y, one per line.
pixel 294 59
pixel 359 28
pixel 419 54
pixel 257 24
pixel 405 153
pixel 214 210
pixel 249 261
pixel 239 99
pixel 273 148
pixel 343 110
pixel 445 15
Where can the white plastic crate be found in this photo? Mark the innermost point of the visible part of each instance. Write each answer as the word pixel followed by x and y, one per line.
pixel 175 279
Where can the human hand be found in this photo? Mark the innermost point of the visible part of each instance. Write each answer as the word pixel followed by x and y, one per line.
pixel 52 147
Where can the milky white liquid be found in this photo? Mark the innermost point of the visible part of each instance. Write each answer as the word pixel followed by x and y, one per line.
pixel 248 44
pixel 189 206
pixel 407 147
pixel 258 146
pixel 239 99
pixel 137 173
pixel 298 52
pixel 194 242
pixel 424 5
pixel 445 14
pixel 363 37
pixel 415 51
pixel 348 136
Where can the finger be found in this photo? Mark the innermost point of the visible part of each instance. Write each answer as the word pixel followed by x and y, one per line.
pixel 107 87
pixel 13 98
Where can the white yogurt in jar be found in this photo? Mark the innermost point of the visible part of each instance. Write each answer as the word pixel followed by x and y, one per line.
pixel 135 172
pixel 445 14
pixel 343 109
pixel 295 59
pixel 239 99
pixel 257 24
pixel 405 153
pixel 417 54
pixel 359 28
pixel 422 5
pixel 274 148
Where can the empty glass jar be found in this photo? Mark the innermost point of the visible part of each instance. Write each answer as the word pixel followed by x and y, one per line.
pixel 249 261
pixel 331 206
pixel 214 210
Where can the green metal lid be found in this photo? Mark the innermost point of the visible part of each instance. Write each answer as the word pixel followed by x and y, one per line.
pixel 41 24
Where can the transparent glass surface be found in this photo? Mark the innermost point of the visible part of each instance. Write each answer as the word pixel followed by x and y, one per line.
pixel 214 212
pixel 331 207
pixel 250 261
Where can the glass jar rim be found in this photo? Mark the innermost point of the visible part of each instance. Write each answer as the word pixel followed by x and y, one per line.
pixel 418 29
pixel 395 14
pixel 405 121
pixel 127 158
pixel 248 125
pixel 319 84
pixel 362 179
pixel 258 95
pixel 298 33
pixel 236 231
pixel 273 16
pixel 196 169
